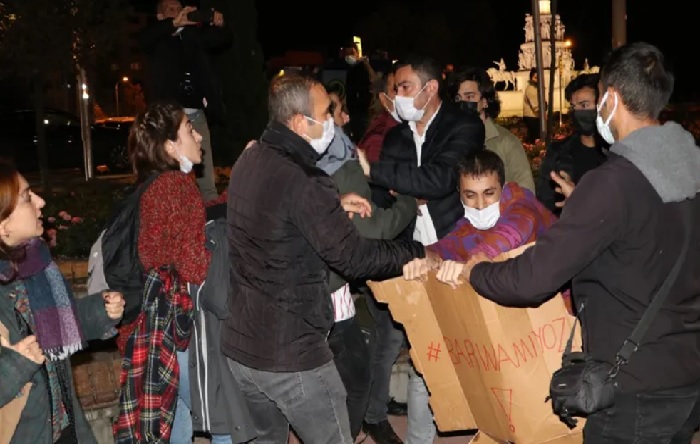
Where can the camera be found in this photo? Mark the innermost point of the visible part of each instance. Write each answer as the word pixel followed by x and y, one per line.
pixel 205 16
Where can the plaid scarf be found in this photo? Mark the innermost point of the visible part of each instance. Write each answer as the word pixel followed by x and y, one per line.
pixel 56 324
pixel 150 373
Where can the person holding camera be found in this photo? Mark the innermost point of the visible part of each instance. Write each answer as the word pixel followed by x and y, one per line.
pixel 178 47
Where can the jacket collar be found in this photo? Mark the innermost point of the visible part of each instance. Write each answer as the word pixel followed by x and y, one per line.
pixel 280 138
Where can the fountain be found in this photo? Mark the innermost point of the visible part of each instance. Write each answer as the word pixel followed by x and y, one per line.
pixel 516 81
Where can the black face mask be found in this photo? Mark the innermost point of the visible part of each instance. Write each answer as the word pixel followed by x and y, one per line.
pixel 584 121
pixel 470 107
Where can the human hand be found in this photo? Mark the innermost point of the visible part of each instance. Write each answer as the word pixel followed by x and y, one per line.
pixel 353 204
pixel 114 304
pixel 182 20
pixel 450 273
pixel 565 185
pixel 475 259
pixel 27 347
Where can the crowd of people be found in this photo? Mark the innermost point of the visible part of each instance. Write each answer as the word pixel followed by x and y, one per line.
pixel 234 313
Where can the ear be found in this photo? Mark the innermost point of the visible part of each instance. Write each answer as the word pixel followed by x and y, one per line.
pixel 4 232
pixel 433 86
pixel 171 149
pixel 296 124
pixel 160 16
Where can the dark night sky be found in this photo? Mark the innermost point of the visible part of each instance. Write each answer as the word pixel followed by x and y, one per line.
pixel 325 25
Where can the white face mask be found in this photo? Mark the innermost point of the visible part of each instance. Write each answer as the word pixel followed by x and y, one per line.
pixel 350 60
pixel 185 164
pixel 393 112
pixel 485 218
pixel 321 145
pixel 407 110
pixel 604 127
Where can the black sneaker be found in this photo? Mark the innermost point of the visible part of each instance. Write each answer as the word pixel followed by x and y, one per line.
pixel 382 433
pixel 395 408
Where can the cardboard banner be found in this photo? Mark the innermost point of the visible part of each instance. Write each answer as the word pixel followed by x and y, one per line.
pixel 487 367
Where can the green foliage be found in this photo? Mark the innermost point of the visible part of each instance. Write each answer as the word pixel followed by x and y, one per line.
pixel 74 219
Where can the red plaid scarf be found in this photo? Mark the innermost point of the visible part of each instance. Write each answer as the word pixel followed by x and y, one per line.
pixel 150 373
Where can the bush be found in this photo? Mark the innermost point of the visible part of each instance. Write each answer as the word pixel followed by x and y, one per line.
pixel 74 219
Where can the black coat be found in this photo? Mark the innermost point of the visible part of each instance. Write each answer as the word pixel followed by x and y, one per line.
pixel 286 228
pixel 450 137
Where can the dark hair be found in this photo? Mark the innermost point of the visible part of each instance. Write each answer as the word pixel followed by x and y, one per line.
pixel 638 73
pixel 159 123
pixel 289 95
pixel 533 71
pixel 482 163
pixel 9 195
pixel 426 68
pixel 580 82
pixel 484 83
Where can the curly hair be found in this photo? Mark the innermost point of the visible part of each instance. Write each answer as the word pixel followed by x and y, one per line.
pixel 158 124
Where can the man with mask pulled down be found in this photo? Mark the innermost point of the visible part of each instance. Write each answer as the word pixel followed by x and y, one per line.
pixel 569 159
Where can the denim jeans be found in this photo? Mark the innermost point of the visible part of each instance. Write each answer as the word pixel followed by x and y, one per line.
pixel 351 358
pixel 206 180
pixel 667 416
pixel 387 340
pixel 312 402
pixel 182 424
pixel 421 428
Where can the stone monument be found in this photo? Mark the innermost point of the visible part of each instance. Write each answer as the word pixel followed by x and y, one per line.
pixel 511 99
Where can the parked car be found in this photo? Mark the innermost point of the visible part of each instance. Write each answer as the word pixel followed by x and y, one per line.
pixel 18 141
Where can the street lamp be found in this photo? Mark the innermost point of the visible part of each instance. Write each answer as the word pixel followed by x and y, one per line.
pixel 116 93
pixel 567 44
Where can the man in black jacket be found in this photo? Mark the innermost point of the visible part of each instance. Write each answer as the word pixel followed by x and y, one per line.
pixel 580 152
pixel 419 158
pixel 178 68
pixel 619 236
pixel 286 228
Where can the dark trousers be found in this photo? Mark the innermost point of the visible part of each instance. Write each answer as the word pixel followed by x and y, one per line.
pixel 352 361
pixel 667 416
pixel 532 124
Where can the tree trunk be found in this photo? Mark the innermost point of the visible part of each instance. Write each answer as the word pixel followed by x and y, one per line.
pixel 41 146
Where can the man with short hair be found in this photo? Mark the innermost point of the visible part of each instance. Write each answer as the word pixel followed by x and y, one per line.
pixel 580 152
pixel 498 216
pixel 419 159
pixel 179 68
pixel 286 230
pixel 619 236
pixel 474 91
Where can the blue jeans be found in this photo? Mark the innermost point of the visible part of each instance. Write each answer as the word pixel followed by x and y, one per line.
pixel 182 425
pixel 421 428
pixel 312 402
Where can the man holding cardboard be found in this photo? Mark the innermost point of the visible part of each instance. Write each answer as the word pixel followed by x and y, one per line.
pixel 621 235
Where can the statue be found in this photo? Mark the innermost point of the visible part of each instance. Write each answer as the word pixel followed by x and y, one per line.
pixel 522 61
pixel 529 30
pixel 501 65
pixel 559 28
pixel 545 29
